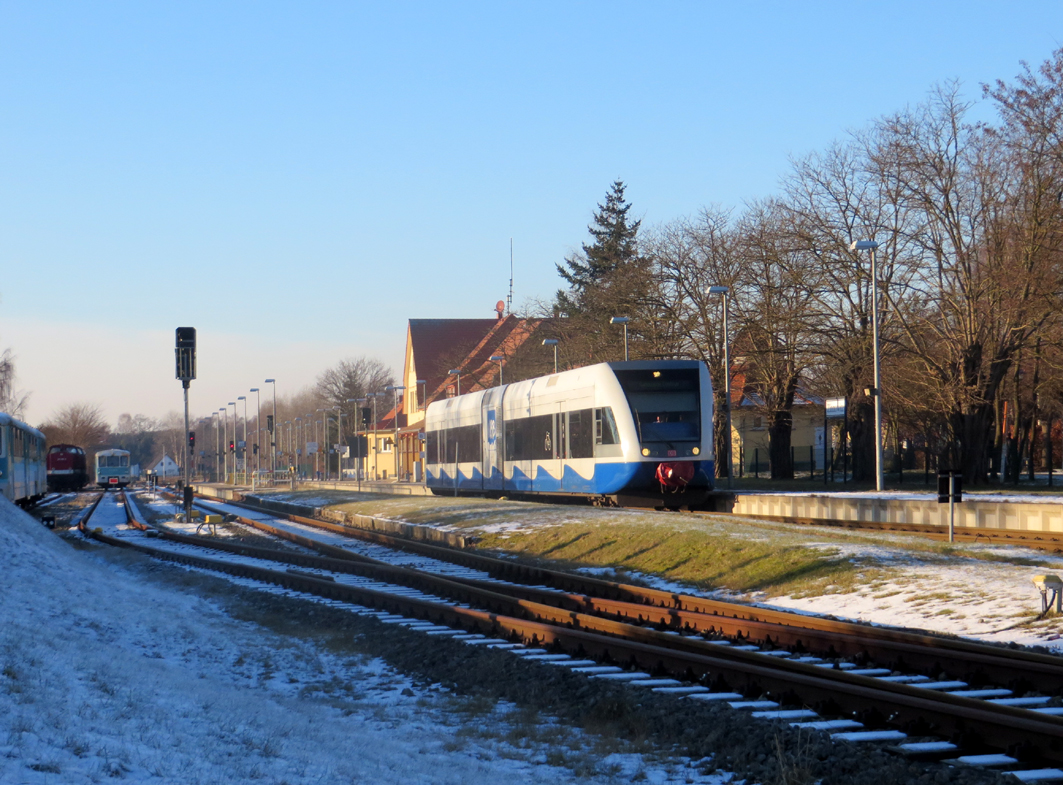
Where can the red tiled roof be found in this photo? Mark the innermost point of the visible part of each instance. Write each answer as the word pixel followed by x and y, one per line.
pixel 467 345
pixel 440 344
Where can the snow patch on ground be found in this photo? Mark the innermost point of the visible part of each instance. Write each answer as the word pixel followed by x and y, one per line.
pixel 105 675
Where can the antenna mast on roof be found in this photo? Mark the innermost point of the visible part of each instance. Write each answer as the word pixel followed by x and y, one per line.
pixel 509 300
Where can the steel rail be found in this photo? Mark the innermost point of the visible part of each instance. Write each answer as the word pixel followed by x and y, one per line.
pixel 969 721
pixel 899 648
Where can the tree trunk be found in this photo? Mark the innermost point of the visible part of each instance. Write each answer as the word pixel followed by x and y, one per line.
pixel 780 429
pixel 721 439
pixel 862 439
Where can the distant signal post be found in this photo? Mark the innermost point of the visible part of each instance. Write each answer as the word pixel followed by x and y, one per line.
pixel 186 371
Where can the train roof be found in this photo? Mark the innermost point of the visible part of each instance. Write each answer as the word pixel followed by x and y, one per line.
pixel 649 365
pixel 7 419
pixel 112 452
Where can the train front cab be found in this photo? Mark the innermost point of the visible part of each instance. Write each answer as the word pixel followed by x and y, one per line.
pixel 112 468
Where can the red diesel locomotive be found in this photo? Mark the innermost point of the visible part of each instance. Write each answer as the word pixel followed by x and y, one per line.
pixel 67 468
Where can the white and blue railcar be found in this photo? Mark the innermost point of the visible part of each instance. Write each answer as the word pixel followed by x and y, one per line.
pixel 112 468
pixel 23 467
pixel 624 431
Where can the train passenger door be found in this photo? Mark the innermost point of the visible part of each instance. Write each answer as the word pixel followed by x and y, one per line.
pixel 492 465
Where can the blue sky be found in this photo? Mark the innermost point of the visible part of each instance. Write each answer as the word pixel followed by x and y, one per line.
pixel 296 180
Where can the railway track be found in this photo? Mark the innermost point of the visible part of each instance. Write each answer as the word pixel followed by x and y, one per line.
pixel 669 642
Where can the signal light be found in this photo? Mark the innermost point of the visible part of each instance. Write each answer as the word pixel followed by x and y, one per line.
pixel 191 440
pixel 232 446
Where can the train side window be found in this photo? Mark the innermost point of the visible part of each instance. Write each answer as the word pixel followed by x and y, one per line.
pixel 123 460
pixel 3 454
pixel 431 448
pixel 581 434
pixel 605 426
pixel 530 438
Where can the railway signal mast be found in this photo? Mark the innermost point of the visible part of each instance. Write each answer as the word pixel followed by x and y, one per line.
pixel 185 353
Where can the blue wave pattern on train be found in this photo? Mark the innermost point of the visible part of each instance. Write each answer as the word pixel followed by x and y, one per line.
pixel 601 430
pixel 23 473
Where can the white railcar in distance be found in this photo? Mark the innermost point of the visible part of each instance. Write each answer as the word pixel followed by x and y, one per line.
pixel 112 468
pixel 23 469
pixel 623 431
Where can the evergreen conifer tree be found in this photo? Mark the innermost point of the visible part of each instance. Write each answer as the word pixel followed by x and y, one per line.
pixel 614 247
pixel 608 277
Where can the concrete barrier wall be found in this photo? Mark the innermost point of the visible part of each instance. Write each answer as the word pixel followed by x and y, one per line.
pixel 1018 516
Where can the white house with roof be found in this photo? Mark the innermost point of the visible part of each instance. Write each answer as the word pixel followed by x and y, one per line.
pixel 166 467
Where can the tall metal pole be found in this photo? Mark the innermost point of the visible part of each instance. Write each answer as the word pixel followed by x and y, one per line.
pixel 872 246
pixel 244 399
pixel 258 431
pixel 396 389
pixel 358 441
pixel 217 457
pixel 552 342
pixel 879 484
pixel 727 385
pixel 375 451
pixel 339 444
pixel 298 433
pixel 188 479
pixel 225 443
pixel 236 424
pixel 272 436
pixel 623 320
pixel 726 291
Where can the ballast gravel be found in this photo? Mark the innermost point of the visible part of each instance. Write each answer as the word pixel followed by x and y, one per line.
pixel 758 750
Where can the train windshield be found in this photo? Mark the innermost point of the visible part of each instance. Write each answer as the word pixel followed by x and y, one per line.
pixel 666 403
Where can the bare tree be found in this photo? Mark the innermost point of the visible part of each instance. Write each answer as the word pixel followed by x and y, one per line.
pixel 12 401
pixel 773 303
pixel 988 266
pixel 350 380
pixel 79 423
pixel 687 257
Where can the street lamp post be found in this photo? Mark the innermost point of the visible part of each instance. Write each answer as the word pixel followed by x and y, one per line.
pixel 725 291
pixel 357 439
pixel 339 443
pixel 376 451
pixel 224 443
pixel 258 430
pixel 498 358
pixel 552 342
pixel 272 440
pixel 289 424
pixel 876 391
pixel 622 320
pixel 457 374
pixel 244 399
pixel 217 444
pixel 236 422
pixel 299 432
pixel 324 440
pixel 396 389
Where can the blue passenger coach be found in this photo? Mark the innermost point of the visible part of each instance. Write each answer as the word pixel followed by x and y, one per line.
pixel 23 474
pixel 630 429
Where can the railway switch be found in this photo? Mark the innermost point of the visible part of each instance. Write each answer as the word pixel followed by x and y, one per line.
pixel 1046 584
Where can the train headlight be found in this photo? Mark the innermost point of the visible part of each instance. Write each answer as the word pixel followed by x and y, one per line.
pixel 696 451
pixel 646 451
